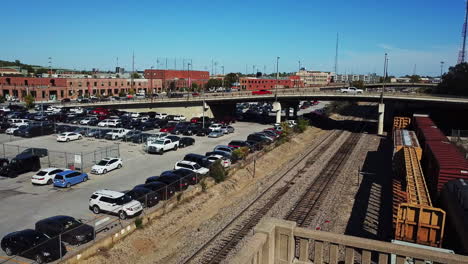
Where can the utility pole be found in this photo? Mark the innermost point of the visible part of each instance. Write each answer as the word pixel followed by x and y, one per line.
pixel 50 67
pixel 166 63
pixel 222 67
pixel 277 77
pixel 253 69
pixel 441 69
pixel 336 55
pixel 384 78
pixel 414 70
pixel 133 71
pixel 151 84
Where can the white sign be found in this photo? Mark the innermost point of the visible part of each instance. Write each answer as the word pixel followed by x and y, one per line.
pixel 78 159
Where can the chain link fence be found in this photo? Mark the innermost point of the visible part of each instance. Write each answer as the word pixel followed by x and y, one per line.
pixel 81 161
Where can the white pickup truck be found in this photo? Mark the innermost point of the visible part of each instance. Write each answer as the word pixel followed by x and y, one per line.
pixel 351 90
pixel 161 145
pixel 116 134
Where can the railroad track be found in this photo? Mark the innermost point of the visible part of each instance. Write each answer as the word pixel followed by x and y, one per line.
pixel 236 232
pixel 305 210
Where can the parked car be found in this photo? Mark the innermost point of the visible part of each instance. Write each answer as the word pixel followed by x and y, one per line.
pixel 101 133
pixel 163 190
pixel 45 176
pixel 199 159
pixel 140 138
pixel 20 164
pixel 68 136
pixel 11 130
pixel 215 134
pixel 90 121
pixel 63 128
pixel 145 196
pixel 41 152
pixel 33 245
pixel 105 165
pixel 351 90
pixel 191 176
pixel 186 141
pixel 66 179
pixel 161 145
pixel 183 164
pixel 71 231
pixel 223 148
pixel 115 203
pixel 115 134
pixel 91 132
pixel 225 162
pixel 130 135
pixel 179 118
pixel 215 127
pixel 238 144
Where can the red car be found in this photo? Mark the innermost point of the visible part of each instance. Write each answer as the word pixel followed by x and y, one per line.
pixel 195 120
pixel 167 129
pixel 260 92
pixel 195 94
pixel 99 111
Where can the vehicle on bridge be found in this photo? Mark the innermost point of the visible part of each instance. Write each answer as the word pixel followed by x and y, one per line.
pixel 351 90
pixel 261 92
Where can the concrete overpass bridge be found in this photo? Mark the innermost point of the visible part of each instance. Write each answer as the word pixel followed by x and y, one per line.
pixel 223 104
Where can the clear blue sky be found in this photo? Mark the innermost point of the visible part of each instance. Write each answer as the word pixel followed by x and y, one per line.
pixel 91 34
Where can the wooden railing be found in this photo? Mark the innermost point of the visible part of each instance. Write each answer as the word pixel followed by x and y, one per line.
pixel 280 242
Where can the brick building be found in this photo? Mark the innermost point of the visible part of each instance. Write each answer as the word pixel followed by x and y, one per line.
pixel 177 79
pixel 315 78
pixel 59 88
pixel 251 83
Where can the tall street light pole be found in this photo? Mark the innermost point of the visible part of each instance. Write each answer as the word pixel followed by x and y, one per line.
pixel 151 84
pixel 441 69
pixel 384 78
pixel 277 77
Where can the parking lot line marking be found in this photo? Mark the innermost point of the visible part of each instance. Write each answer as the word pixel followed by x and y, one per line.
pixel 14 260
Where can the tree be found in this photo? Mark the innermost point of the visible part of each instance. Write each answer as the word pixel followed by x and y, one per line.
pixel 358 84
pixel 135 75
pixel 29 100
pixel 41 71
pixel 415 78
pixel 17 63
pixel 213 83
pixel 131 91
pixel 455 81
pixel 195 87
pixel 230 79
pixel 122 93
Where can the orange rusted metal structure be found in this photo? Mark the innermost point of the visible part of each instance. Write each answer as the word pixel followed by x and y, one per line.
pixel 400 122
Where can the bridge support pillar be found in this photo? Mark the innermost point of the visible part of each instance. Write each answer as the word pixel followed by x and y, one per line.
pixel 277 108
pixel 380 129
pixel 296 109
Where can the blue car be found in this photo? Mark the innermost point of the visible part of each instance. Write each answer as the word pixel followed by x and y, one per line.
pixel 69 178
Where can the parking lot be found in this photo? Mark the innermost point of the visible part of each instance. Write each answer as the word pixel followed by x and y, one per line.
pixel 23 204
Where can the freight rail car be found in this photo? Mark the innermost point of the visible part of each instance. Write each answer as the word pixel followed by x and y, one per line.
pixel 454 199
pixel 416 220
pixel 406 138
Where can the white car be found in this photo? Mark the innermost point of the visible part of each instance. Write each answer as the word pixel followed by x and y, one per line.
pixel 106 165
pixel 109 123
pixel 11 130
pixel 114 202
pixel 135 115
pixel 179 118
pixel 5 109
pixel 215 127
pixel 68 136
pixel 225 162
pixel 160 115
pixel 45 176
pixel 189 165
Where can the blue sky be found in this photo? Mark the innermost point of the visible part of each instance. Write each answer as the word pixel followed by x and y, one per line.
pixel 92 34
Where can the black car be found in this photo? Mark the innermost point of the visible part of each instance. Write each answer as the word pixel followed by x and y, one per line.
pixel 173 138
pixel 140 138
pixel 165 191
pixel 63 128
pixel 178 182
pixel 20 164
pixel 71 230
pixel 188 174
pixel 145 196
pixel 4 126
pixel 129 136
pixel 255 145
pixel 186 141
pixel 41 152
pixel 33 245
pixel 144 126
pixel 102 133
pixel 199 159
pixel 180 128
pixel 201 132
pixel 35 130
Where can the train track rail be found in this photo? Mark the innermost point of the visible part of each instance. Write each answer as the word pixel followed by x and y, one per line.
pixel 305 210
pixel 237 229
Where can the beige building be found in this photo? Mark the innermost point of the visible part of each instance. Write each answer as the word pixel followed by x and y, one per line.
pixel 314 78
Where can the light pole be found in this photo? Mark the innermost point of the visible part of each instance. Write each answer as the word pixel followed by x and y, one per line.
pixel 384 78
pixel 222 67
pixel 441 69
pixel 277 77
pixel 151 84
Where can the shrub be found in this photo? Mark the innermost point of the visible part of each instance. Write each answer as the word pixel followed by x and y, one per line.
pixel 301 126
pixel 240 153
pixel 217 172
pixel 139 222
pixel 203 186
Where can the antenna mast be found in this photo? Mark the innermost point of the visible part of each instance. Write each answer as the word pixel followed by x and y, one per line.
pixel 461 55
pixel 336 55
